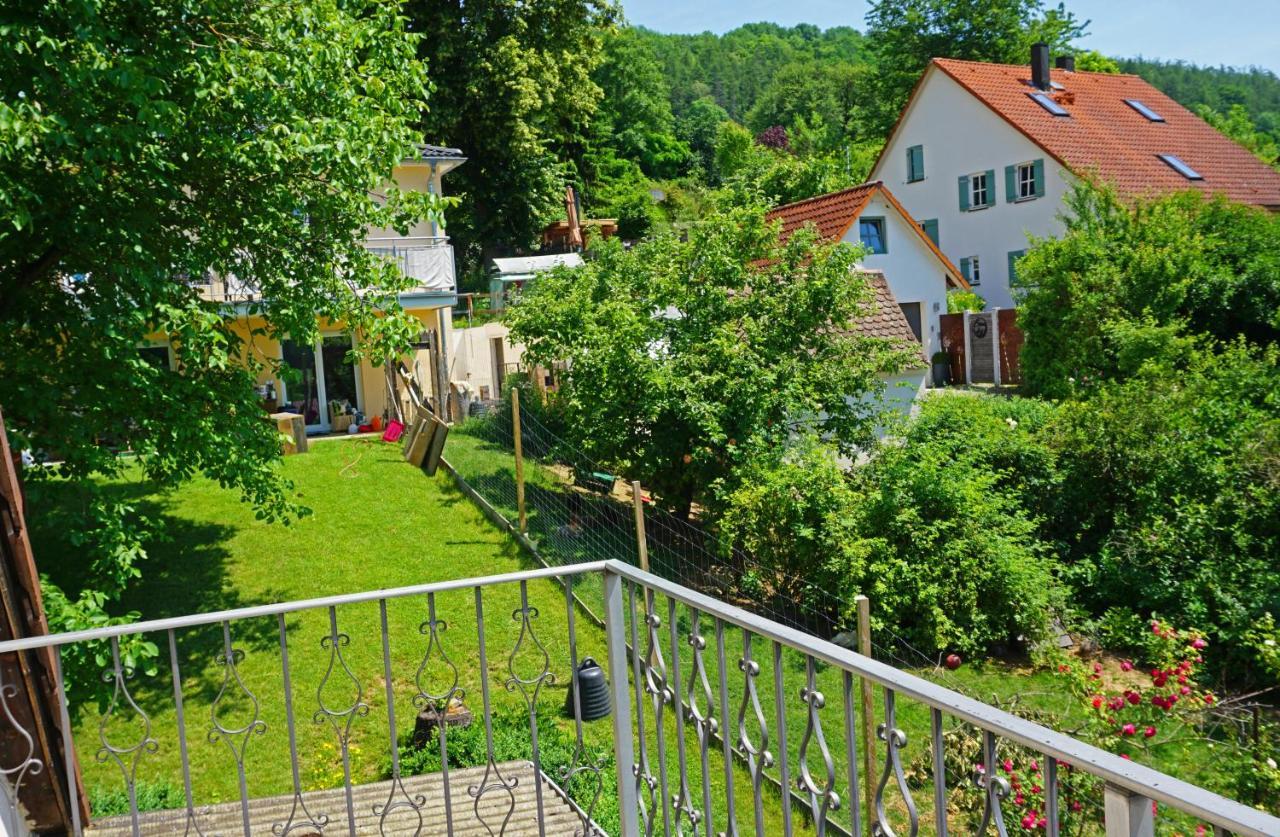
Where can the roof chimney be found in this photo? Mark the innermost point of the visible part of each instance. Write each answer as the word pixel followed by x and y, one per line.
pixel 1066 62
pixel 1040 66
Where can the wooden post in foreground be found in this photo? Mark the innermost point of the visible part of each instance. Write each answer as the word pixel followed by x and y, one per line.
pixel 642 544
pixel 515 433
pixel 868 707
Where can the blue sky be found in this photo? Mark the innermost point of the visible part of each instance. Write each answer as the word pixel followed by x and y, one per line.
pixel 1234 32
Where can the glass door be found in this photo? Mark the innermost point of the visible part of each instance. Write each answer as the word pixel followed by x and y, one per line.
pixel 302 393
pixel 339 377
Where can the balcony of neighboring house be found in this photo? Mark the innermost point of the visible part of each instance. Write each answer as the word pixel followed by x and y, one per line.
pixel 583 699
pixel 428 260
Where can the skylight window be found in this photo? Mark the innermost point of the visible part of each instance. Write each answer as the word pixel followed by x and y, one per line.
pixel 1144 110
pixel 1180 167
pixel 1046 101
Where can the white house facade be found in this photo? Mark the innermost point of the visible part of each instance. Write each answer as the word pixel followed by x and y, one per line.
pixel 985 153
pixel 947 165
pixel 898 248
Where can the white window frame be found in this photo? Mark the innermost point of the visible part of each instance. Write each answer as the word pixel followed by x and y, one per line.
pixel 975 273
pixel 973 191
pixel 162 343
pixel 1026 183
pixel 324 425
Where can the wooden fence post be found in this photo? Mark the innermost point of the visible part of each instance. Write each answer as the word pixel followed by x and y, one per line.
pixel 868 707
pixel 642 543
pixel 515 432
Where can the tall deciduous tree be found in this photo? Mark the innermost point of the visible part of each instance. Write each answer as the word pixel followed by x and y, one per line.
pixel 514 90
pixel 905 34
pixel 686 358
pixel 145 146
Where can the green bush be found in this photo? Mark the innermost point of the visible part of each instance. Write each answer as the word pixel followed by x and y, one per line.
pixel 949 553
pixel 1169 497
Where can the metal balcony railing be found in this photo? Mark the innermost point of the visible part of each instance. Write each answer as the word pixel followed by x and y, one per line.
pixel 426 259
pixel 714 710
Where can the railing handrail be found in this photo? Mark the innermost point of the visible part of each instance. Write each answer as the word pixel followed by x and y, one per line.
pixel 278 608
pixel 1141 780
pixel 405 242
pixel 1136 778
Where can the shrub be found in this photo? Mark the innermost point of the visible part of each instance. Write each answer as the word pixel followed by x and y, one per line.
pixel 151 796
pixel 1170 495
pixel 948 554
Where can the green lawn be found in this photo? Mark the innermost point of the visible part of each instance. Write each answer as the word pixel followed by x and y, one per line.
pixel 380 523
pixel 377 523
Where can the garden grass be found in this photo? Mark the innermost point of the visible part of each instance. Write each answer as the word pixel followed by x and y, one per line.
pixel 379 523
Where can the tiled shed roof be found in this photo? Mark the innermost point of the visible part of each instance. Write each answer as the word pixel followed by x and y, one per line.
pixel 1102 135
pixel 885 319
pixel 832 214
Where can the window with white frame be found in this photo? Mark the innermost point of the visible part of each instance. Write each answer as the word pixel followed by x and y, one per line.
pixel 975 271
pixel 1027 181
pixel 979 190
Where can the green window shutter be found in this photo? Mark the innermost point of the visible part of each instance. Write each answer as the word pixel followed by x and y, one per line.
pixel 915 163
pixel 930 228
pixel 1039 164
pixel 991 187
pixel 964 193
pixel 964 268
pixel 1014 255
pixel 1010 184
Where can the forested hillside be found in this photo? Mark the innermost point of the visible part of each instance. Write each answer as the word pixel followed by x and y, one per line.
pixel 655 128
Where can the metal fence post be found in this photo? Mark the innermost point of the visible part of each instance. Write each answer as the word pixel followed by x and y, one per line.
pixel 620 692
pixel 1127 814
pixel 868 705
pixel 515 434
pixel 642 543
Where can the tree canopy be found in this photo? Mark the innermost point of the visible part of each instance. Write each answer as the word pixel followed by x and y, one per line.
pixel 515 90
pixel 682 358
pixel 146 147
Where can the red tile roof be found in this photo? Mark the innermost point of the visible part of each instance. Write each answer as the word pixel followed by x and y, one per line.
pixel 833 214
pixel 884 318
pixel 1104 136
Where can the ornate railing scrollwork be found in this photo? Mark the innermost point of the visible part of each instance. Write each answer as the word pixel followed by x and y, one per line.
pixel 895 739
pixel 757 752
pixel 995 788
pixel 823 798
pixel 236 737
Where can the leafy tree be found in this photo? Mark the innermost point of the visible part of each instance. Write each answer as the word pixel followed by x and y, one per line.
pixel 143 149
pixel 514 89
pixel 1092 61
pixel 904 35
pixel 1237 125
pixel 1131 282
pixel 824 95
pixel 684 358
pixel 700 128
pixel 634 115
pixel 1169 498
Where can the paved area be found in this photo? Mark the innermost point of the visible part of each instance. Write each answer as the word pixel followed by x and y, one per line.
pixel 267 816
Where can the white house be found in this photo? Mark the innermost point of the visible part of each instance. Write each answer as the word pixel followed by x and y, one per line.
pixel 984 153
pixel 916 273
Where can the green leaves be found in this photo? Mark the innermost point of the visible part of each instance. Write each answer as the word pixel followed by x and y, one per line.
pixel 144 151
pixel 687 358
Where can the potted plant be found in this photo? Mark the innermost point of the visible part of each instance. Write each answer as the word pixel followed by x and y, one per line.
pixel 941 368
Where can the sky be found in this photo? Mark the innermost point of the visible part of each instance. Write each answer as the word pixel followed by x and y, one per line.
pixel 1233 32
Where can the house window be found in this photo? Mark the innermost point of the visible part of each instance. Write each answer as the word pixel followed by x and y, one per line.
pixel 979 191
pixel 971 270
pixel 915 163
pixel 871 233
pixel 1026 181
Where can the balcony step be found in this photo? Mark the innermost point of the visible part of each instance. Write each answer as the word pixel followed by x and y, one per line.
pixel 559 818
